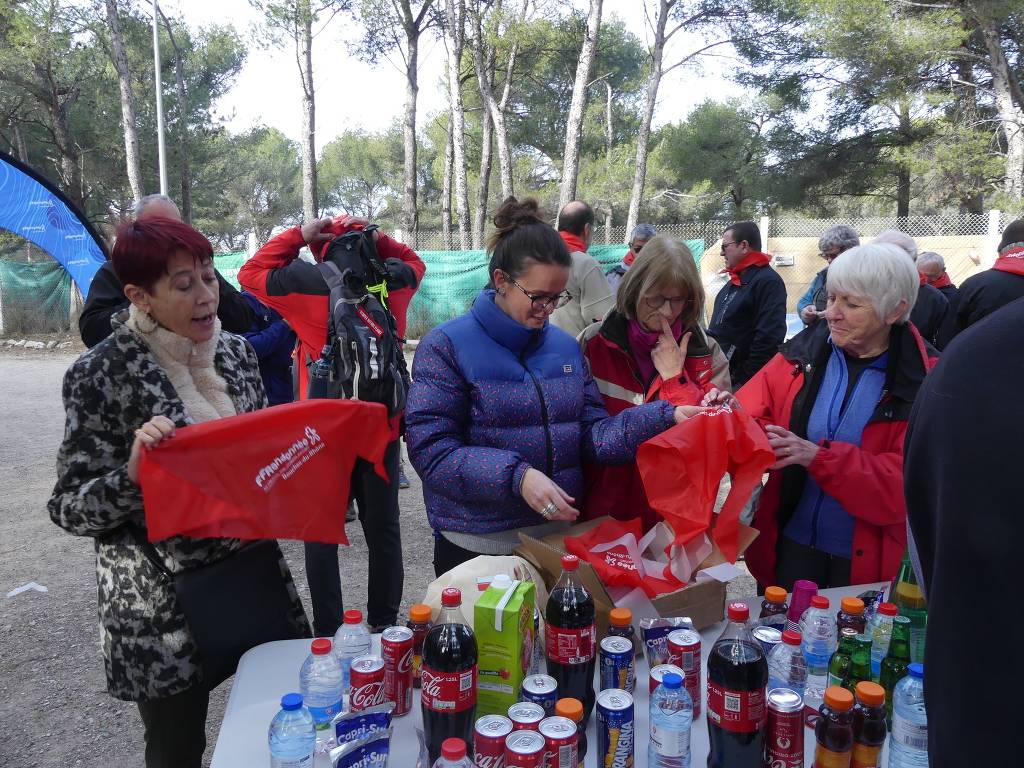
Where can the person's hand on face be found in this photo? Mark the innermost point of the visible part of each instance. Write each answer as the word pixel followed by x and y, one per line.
pixel 667 356
pixel 789 448
pixel 148 436
pixel 546 497
pixel 809 314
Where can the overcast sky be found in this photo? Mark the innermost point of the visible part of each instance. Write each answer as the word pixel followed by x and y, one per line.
pixel 267 90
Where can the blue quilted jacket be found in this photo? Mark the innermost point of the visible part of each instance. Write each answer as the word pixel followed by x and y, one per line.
pixel 491 398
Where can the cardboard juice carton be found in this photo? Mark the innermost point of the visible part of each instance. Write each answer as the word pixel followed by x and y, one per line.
pixel 503 624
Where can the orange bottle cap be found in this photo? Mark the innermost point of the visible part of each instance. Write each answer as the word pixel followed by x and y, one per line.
pixel 420 612
pixel 571 708
pixel 838 698
pixel 620 617
pixel 852 605
pixel 870 693
pixel 775 595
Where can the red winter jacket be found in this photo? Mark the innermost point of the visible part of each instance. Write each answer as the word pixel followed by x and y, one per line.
pixel 866 480
pixel 617 490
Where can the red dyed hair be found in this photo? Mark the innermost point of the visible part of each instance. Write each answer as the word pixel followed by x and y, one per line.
pixel 144 248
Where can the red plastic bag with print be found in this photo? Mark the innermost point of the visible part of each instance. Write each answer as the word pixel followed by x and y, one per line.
pixel 278 473
pixel 683 467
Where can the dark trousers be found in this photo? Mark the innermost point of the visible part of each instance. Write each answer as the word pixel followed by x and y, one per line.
pixel 377 501
pixel 176 729
pixel 796 561
pixel 448 555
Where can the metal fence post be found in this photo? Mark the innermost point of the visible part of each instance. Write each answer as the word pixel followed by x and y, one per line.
pixel 988 258
pixel 766 223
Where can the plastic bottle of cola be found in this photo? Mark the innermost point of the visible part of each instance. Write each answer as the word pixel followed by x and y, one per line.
pixel 571 642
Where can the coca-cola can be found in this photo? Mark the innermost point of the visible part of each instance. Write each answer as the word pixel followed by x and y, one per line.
pixel 367 679
pixel 658 673
pixel 524 749
pixel 525 715
pixel 396 648
pixel 684 651
pixel 489 741
pixel 561 748
pixel 540 689
pixel 784 746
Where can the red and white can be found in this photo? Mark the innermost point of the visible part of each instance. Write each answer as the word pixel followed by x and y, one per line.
pixel 396 648
pixel 524 749
pixel 367 679
pixel 684 651
pixel 525 715
pixel 561 747
pixel 659 672
pixel 784 745
pixel 489 741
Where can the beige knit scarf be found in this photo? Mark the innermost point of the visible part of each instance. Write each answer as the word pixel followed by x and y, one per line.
pixel 188 365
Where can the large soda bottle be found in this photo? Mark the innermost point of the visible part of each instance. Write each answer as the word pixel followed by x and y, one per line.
pixel 909 599
pixel 448 677
pixel 737 713
pixel 571 639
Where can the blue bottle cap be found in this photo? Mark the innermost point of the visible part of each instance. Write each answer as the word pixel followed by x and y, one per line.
pixel 916 670
pixel 672 680
pixel 291 701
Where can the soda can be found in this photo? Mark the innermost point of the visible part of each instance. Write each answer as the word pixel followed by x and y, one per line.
pixel 767 637
pixel 684 652
pixel 489 741
pixel 525 715
pixel 659 672
pixel 784 745
pixel 540 689
pixel 618 667
pixel 615 728
pixel 524 749
pixel 396 648
pixel 367 679
pixel 561 742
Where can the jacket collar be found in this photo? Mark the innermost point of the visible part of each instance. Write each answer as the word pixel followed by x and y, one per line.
pixel 512 335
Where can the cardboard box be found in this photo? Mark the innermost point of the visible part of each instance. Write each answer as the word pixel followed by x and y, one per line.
pixel 703 601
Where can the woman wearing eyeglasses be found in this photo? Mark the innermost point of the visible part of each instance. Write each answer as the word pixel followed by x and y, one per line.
pixel 503 411
pixel 650 348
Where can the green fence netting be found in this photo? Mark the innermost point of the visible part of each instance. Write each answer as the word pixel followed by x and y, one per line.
pixel 228 265
pixel 35 297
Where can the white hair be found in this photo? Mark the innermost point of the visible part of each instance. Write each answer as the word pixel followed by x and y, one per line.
pixel 878 272
pixel 931 257
pixel 149 200
pixel 901 239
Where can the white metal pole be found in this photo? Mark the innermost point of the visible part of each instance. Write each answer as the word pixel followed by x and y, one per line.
pixel 161 149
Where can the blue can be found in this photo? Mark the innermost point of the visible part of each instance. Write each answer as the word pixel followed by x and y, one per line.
pixel 540 689
pixel 615 728
pixel 618 668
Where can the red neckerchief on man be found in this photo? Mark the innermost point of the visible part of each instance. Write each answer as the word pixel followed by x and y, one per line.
pixel 752 259
pixel 941 281
pixel 1011 259
pixel 629 258
pixel 573 242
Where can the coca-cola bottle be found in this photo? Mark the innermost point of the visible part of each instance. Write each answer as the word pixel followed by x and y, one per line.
pixel 737 677
pixel 448 677
pixel 571 636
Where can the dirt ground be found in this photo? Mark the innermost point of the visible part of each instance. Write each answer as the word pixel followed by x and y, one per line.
pixel 53 699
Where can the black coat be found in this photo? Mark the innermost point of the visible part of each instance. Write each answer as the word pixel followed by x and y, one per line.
pixel 749 321
pixel 930 312
pixel 984 293
pixel 963 490
pixel 106 298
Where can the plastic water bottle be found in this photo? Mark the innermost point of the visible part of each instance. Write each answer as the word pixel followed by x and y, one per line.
pixel 292 735
pixel 453 755
pixel 818 642
pixel 880 631
pixel 908 744
pixel 320 373
pixel 320 681
pixel 671 716
pixel 350 641
pixel 787 667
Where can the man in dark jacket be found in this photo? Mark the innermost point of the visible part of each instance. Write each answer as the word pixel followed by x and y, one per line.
pixel 749 319
pixel 273 341
pixel 931 314
pixel 106 294
pixel 987 291
pixel 964 512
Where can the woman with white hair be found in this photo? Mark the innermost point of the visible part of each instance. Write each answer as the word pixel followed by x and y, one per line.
pixel 835 402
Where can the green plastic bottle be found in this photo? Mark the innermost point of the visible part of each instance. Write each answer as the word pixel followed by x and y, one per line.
pixel 841 661
pixel 894 665
pixel 909 599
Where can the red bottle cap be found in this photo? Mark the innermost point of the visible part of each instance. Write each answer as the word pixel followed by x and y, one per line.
pixel 453 749
pixel 791 637
pixel 888 609
pixel 570 562
pixel 451 598
pixel 738 612
pixel 819 601
pixel 321 646
pixel 353 616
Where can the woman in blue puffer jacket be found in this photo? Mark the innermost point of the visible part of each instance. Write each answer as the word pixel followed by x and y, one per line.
pixel 503 411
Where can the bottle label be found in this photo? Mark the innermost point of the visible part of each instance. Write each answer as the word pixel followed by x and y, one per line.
pixel 736 711
pixel 295 762
pixel 322 716
pixel 670 742
pixel 836 680
pixel 866 756
pixel 448 691
pixel 571 646
pixel 908 733
pixel 826 758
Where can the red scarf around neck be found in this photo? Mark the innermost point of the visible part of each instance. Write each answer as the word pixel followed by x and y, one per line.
pixel 1011 259
pixel 941 281
pixel 922 279
pixel 752 259
pixel 573 242
pixel 629 258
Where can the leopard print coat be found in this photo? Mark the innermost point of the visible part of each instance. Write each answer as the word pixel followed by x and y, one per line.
pixel 109 392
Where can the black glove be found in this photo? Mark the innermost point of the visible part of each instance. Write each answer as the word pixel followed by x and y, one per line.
pixel 400 274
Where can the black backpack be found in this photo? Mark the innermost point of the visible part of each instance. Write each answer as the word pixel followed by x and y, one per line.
pixel 363 357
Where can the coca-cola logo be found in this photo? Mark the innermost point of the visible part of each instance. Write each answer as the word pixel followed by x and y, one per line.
pixel 368 695
pixel 405 663
pixel 430 683
pixel 481 760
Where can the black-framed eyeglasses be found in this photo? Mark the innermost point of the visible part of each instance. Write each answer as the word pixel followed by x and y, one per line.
pixel 543 300
pixel 657 302
pixel 724 244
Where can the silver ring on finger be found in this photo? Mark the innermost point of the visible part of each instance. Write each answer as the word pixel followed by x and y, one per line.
pixel 549 510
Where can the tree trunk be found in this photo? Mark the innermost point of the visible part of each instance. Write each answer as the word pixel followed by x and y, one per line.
pixel 484 181
pixel 609 138
pixel 184 162
pixel 454 38
pixel 70 170
pixel 967 107
pixel 574 125
pixel 446 189
pixel 128 120
pixel 644 136
pixel 304 46
pixel 410 210
pixel 1011 117
pixel 19 143
pixel 903 171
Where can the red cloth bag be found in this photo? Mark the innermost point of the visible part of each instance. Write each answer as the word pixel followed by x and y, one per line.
pixel 683 467
pixel 278 473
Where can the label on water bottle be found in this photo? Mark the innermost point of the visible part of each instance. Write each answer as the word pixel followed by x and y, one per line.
pixel 571 646
pixel 306 761
pixel 448 691
pixel 322 716
pixel 736 711
pixel 670 742
pixel 909 734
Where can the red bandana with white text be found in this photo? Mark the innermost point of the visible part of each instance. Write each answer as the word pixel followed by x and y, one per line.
pixel 1011 260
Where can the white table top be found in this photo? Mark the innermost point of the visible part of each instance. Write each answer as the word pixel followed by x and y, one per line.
pixel 271 670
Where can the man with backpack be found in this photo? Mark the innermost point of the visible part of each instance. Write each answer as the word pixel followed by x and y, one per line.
pixel 360 338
